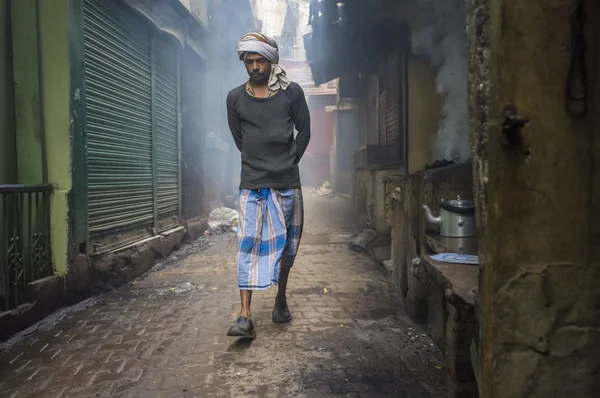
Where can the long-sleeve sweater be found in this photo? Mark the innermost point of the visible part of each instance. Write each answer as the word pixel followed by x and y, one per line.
pixel 263 131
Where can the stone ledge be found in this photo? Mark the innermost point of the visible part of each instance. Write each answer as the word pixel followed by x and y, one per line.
pixel 115 269
pixel 459 280
pixel 195 228
pixel 453 324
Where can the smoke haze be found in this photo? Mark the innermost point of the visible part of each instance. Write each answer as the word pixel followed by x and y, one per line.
pixel 444 42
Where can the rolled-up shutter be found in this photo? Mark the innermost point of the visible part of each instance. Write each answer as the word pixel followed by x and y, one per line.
pixel 118 124
pixel 167 132
pixel 132 126
pixel 393 145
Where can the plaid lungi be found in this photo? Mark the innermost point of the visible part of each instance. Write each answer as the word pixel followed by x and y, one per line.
pixel 269 233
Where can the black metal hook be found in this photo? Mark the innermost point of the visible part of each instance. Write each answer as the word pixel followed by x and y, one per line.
pixel 577 68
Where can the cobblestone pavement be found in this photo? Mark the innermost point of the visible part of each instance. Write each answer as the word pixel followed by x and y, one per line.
pixel 164 335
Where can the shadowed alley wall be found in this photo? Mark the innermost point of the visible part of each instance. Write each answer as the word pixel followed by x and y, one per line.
pixel 537 203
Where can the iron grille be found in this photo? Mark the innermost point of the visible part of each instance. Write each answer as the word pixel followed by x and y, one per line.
pixel 24 240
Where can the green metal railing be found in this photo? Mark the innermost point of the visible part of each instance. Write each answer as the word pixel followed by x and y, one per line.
pixel 24 240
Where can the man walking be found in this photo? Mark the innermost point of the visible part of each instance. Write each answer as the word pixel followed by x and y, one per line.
pixel 262 114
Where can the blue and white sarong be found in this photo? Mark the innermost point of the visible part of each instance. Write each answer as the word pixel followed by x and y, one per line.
pixel 269 233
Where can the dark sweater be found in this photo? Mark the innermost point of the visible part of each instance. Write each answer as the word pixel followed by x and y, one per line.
pixel 263 131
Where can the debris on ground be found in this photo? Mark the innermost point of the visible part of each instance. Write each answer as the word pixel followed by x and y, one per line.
pixel 188 249
pixel 325 190
pixel 362 241
pixel 181 288
pixel 222 220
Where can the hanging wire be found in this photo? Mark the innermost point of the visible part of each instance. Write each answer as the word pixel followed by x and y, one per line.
pixel 577 67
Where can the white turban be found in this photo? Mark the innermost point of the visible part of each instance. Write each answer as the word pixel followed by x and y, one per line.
pixel 267 47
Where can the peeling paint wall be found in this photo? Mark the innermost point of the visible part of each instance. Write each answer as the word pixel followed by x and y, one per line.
pixel 8 149
pixel 540 274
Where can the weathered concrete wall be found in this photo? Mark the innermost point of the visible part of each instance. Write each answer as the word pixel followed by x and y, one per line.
pixel 8 148
pixel 461 328
pixel 377 203
pixel 540 269
pixel 409 281
pixel 365 184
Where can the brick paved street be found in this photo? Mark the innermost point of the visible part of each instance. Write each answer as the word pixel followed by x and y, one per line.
pixel 164 335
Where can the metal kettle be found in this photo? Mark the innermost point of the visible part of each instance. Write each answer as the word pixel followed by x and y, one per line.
pixel 456 219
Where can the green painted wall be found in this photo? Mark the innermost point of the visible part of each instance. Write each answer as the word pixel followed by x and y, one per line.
pixel 8 161
pixel 53 18
pixel 30 140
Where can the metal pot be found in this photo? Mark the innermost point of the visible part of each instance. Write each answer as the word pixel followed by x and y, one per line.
pixel 460 245
pixel 456 219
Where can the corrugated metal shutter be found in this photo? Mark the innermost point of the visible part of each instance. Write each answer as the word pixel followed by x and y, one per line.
pixel 393 146
pixel 167 131
pixel 118 124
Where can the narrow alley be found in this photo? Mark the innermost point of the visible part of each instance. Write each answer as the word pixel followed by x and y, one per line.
pixel 164 335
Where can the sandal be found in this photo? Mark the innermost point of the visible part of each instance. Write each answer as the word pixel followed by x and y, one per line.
pixel 281 313
pixel 243 328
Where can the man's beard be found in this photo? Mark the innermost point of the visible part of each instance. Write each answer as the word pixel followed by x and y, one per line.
pixel 259 79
